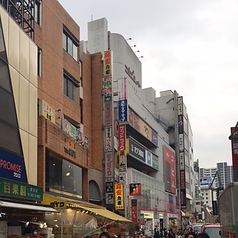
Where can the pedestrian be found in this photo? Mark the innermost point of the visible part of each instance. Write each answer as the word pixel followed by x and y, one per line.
pixel 203 235
pixel 171 234
pixel 104 234
pixel 35 234
pixel 157 235
pixel 190 234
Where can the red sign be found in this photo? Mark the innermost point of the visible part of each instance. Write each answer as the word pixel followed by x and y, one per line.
pixel 135 189
pixel 134 212
pixel 107 63
pixel 121 137
pixel 109 165
pixel 170 170
pixel 182 179
pixel 234 148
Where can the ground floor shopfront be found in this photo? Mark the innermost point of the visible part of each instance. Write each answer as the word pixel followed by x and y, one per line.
pixel 20 208
pixel 76 218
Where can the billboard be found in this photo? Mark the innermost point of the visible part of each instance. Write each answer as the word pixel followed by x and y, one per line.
pixel 170 175
pixel 12 166
pixel 234 152
pixel 122 111
pixel 121 137
pixel 142 127
pixel 182 175
pixel 119 196
pixel 108 128
pixel 122 90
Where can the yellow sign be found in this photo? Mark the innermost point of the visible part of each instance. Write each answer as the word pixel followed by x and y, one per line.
pixel 55 202
pixel 47 111
pixel 119 196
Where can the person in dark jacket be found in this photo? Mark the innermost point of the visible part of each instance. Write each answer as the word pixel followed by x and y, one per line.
pixel 171 234
pixel 157 235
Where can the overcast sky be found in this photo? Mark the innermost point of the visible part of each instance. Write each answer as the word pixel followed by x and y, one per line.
pixel 188 46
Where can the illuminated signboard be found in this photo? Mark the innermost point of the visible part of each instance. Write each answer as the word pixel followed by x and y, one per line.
pixel 20 190
pixel 12 166
pixel 119 196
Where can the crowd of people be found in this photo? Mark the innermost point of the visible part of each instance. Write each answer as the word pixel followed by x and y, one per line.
pixel 186 233
pixel 162 233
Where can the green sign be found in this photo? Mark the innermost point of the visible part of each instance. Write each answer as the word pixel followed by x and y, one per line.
pixel 155 162
pixel 20 190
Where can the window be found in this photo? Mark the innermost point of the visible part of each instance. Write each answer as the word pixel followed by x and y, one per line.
pixel 37 15
pixel 39 62
pixel 63 176
pixel 70 44
pixel 70 86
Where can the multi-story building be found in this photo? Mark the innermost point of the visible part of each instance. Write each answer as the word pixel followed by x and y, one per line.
pixel 143 155
pixel 79 130
pixel 170 110
pixel 51 141
pixel 225 173
pixel 222 174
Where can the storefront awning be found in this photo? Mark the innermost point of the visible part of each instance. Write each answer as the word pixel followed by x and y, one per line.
pixel 106 213
pixel 188 196
pixel 60 202
pixel 26 206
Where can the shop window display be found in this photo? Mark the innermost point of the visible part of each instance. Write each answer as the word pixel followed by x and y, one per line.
pixel 63 176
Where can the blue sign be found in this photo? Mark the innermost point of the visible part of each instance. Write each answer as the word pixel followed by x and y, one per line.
pixel 122 111
pixel 12 167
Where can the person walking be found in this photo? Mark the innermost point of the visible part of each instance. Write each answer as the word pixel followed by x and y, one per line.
pixel 35 234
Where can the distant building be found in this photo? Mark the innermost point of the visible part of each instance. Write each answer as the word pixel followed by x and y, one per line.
pixel 225 174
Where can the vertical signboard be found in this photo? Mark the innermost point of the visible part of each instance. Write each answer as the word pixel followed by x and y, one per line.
pixel 121 137
pixel 170 174
pixel 134 210
pixel 181 153
pixel 122 91
pixel 234 150
pixel 119 196
pixel 108 128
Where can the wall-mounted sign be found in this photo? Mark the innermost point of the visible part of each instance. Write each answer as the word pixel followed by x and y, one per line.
pixel 107 63
pixel 20 190
pixel 121 137
pixel 136 150
pixel 135 189
pixel 46 111
pixel 170 166
pixel 74 132
pixel 119 196
pixel 148 157
pixel 132 76
pixel 122 162
pixel 54 202
pixel 70 152
pixel 107 88
pixel 108 113
pixel 134 210
pixel 12 166
pixel 109 165
pixel 122 90
pixel 108 138
pixel 142 127
pixel 122 111
pixel 155 162
pixel 108 118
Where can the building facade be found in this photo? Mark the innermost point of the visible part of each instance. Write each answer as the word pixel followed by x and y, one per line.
pixel 141 147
